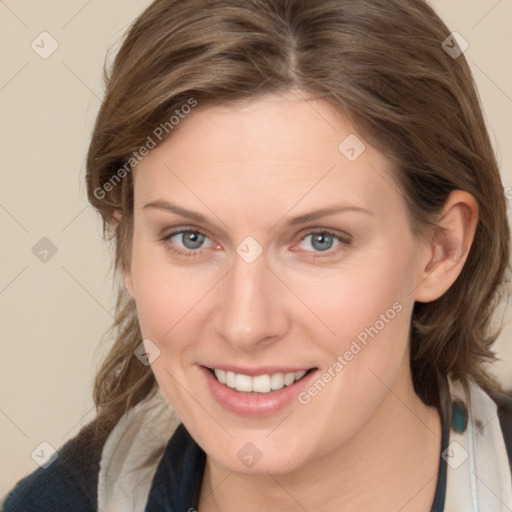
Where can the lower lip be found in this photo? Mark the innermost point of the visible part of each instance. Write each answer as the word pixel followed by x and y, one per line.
pixel 255 404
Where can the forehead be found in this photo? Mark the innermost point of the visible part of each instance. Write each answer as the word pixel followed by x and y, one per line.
pixel 275 151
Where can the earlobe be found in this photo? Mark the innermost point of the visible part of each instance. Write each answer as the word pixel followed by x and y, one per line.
pixel 117 215
pixel 128 283
pixel 446 255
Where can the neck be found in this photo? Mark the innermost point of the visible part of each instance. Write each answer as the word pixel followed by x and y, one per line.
pixel 392 464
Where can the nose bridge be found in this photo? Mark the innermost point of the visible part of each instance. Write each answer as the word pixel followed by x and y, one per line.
pixel 250 311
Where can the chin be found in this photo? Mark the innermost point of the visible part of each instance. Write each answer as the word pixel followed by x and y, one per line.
pixel 254 455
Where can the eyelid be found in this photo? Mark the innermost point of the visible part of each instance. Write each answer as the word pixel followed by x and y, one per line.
pixel 302 234
pixel 174 230
pixel 342 235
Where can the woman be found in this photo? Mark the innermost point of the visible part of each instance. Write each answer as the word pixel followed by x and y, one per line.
pixel 310 234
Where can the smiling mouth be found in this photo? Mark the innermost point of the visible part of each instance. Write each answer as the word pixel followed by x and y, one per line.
pixel 265 383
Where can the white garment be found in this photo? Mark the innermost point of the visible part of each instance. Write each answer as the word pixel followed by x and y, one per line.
pixel 131 454
pixel 478 476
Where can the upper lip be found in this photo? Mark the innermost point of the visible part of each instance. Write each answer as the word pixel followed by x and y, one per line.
pixel 261 370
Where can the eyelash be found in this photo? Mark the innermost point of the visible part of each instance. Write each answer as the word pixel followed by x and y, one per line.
pixel 345 241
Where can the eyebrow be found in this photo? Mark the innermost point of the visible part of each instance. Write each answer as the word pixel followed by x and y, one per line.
pixel 161 204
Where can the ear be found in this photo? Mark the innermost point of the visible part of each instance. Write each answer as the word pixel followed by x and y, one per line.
pixel 128 283
pixel 117 215
pixel 447 252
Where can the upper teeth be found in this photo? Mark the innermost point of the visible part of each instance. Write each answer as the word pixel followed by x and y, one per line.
pixel 260 383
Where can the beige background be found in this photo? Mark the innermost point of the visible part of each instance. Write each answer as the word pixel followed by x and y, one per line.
pixel 54 313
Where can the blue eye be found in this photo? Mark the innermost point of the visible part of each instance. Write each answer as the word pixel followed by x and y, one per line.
pixel 321 241
pixel 190 242
pixel 324 241
pixel 192 239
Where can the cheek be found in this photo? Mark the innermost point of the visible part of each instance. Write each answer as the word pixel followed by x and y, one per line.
pixel 368 310
pixel 365 315
pixel 363 298
pixel 163 304
pixel 169 310
pixel 170 298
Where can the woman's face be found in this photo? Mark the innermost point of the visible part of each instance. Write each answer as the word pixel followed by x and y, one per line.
pixel 296 255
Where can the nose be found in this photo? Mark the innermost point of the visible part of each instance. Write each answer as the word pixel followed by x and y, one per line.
pixel 251 310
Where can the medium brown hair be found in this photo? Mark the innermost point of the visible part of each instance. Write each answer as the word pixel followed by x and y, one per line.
pixel 379 62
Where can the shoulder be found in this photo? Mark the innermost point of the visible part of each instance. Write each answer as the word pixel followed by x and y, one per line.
pixel 68 483
pixel 58 487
